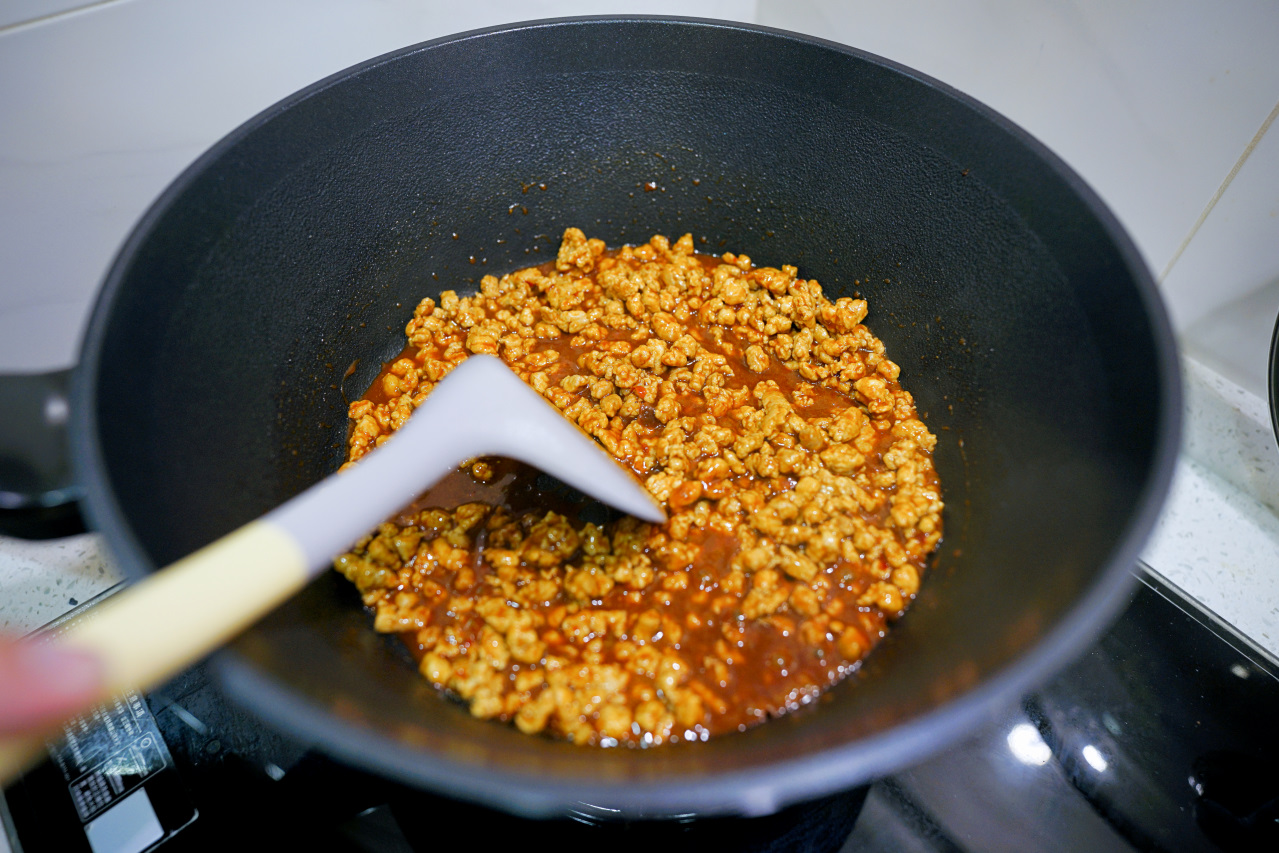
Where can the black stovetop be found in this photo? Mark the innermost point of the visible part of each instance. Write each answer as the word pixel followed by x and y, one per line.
pixel 1161 738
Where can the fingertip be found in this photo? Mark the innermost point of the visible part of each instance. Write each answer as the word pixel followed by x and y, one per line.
pixel 57 670
pixel 42 683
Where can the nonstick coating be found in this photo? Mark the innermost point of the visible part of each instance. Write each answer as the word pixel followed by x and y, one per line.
pixel 218 364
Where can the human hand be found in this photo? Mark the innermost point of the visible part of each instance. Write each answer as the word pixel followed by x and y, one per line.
pixel 42 684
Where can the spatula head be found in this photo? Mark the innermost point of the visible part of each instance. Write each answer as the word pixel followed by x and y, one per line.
pixel 480 409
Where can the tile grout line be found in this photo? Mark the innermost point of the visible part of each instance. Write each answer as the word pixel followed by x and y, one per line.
pixel 53 16
pixel 1221 190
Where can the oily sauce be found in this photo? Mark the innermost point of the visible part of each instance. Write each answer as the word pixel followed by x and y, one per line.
pixel 802 510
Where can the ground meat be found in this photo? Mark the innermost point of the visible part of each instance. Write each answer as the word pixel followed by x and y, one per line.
pixel 797 477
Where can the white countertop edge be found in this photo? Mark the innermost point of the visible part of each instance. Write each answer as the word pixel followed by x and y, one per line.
pixel 1221 547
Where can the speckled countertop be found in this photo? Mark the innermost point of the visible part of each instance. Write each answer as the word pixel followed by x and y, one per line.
pixel 39 581
pixel 1218 536
pixel 1221 547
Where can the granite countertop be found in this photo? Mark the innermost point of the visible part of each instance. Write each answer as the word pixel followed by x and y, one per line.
pixel 1218 536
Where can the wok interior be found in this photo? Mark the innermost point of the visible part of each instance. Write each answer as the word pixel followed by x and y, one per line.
pixel 301 247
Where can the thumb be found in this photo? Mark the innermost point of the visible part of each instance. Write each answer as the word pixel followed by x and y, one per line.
pixel 42 683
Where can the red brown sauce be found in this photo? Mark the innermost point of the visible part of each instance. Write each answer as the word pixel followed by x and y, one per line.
pixel 756 616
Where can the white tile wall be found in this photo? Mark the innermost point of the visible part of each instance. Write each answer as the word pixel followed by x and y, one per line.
pixel 14 13
pixel 1151 101
pixel 1234 339
pixel 102 108
pixel 1235 252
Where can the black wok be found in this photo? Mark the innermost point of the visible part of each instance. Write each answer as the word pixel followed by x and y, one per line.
pixel 216 369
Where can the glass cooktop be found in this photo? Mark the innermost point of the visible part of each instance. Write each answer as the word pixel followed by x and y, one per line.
pixel 1160 738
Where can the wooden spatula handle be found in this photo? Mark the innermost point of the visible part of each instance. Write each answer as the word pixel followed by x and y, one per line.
pixel 166 622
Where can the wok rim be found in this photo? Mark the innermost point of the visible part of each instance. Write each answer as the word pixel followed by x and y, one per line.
pixel 754 792
pixel 1272 381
